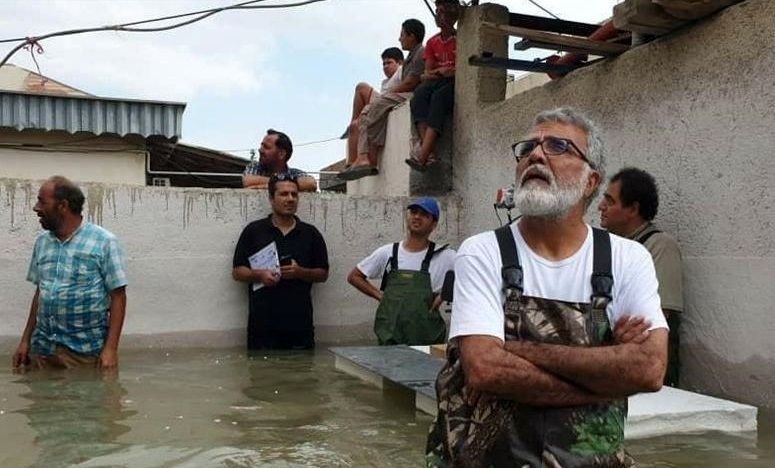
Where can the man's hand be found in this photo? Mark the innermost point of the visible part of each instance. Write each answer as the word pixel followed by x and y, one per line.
pixel 291 271
pixel 268 277
pixel 108 360
pixel 631 330
pixel 22 355
pixel 445 72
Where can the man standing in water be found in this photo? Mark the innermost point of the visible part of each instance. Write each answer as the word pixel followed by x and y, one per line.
pixel 280 301
pixel 627 209
pixel 412 273
pixel 535 376
pixel 78 308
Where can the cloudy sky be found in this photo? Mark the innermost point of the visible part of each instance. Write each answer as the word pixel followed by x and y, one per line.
pixel 240 72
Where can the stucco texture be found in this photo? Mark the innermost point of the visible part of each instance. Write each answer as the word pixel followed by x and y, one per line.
pixel 695 109
pixel 179 245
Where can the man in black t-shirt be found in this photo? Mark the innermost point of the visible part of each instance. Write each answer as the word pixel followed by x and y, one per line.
pixel 281 308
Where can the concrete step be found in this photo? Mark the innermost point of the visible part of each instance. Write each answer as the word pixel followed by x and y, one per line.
pixel 669 411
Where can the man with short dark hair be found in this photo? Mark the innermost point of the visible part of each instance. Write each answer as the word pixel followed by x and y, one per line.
pixel 392 60
pixel 275 151
pixel 412 274
pixel 279 296
pixel 628 208
pixel 78 308
pixel 539 362
pixel 372 128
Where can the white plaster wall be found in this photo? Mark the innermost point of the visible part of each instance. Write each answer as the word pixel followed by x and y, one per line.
pixel 81 158
pixel 695 110
pixel 179 245
pixel 393 178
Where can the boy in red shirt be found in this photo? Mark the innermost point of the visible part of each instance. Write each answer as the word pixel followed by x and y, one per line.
pixel 433 99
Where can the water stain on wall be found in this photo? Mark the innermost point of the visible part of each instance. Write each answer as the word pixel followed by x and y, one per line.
pixel 135 195
pixel 94 202
pixel 189 197
pixel 10 194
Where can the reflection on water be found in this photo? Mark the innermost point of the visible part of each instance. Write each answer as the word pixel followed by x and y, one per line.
pixel 204 408
pixel 211 408
pixel 711 450
pixel 74 415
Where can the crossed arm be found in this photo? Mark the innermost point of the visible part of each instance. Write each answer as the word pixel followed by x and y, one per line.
pixel 556 375
pixel 306 183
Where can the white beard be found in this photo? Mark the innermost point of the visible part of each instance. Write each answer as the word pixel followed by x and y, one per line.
pixel 553 201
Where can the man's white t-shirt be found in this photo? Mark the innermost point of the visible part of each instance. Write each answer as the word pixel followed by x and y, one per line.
pixel 391 82
pixel 374 265
pixel 479 298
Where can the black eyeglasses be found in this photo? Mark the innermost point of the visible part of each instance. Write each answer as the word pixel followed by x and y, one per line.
pixel 552 146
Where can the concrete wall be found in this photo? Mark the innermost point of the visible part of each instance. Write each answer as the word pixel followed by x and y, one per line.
pixel 694 109
pixel 393 178
pixel 179 245
pixel 36 155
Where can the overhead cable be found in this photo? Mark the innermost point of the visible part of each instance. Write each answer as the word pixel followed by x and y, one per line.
pixel 544 9
pixel 34 41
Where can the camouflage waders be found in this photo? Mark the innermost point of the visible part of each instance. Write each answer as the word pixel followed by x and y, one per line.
pixel 504 433
pixel 404 315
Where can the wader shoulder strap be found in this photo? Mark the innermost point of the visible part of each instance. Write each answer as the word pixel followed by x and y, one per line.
pixel 646 235
pixel 426 262
pixel 602 279
pixel 391 265
pixel 512 270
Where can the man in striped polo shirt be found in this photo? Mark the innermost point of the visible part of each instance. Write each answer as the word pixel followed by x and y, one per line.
pixel 80 298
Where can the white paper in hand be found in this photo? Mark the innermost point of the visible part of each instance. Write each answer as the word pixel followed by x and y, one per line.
pixel 265 259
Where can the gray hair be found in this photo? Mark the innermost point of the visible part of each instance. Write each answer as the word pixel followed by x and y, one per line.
pixel 595 147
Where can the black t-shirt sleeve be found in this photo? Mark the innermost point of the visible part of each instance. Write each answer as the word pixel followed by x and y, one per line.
pixel 319 250
pixel 242 251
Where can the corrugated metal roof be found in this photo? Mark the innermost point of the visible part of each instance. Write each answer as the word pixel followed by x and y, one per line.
pixel 95 115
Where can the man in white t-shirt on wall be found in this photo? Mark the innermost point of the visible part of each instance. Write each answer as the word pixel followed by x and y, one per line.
pixel 553 324
pixel 413 273
pixel 392 61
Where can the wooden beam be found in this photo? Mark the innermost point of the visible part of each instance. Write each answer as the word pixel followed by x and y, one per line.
pixel 645 17
pixel 559 41
pixel 693 9
pixel 524 65
pixel 530 44
pixel 552 25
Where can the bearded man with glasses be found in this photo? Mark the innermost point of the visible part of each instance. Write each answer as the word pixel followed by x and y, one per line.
pixel 554 323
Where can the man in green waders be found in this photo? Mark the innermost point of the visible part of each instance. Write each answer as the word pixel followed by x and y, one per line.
pixel 536 375
pixel 413 273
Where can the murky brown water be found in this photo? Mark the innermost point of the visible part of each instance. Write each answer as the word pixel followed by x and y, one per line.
pixel 209 408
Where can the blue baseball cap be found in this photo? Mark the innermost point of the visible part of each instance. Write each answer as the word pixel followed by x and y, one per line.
pixel 427 204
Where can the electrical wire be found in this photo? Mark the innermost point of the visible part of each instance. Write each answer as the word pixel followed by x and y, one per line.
pixel 33 42
pixel 544 9
pixel 298 145
pixel 433 13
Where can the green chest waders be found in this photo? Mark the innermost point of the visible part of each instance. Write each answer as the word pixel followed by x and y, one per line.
pixel 500 432
pixel 404 315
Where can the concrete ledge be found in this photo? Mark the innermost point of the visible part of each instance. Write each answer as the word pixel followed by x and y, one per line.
pixel 669 411
pixel 675 411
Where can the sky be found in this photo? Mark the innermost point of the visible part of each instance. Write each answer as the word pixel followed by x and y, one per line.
pixel 240 72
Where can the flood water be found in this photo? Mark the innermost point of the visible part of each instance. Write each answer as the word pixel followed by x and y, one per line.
pixel 226 408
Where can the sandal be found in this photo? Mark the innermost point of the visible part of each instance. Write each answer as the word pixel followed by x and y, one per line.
pixel 415 164
pixel 357 172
